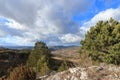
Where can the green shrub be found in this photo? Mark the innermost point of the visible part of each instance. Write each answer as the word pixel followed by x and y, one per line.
pixel 102 42
pixel 22 73
pixel 63 66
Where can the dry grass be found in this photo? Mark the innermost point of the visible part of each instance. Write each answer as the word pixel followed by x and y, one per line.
pixel 73 55
pixel 85 60
pixel 67 52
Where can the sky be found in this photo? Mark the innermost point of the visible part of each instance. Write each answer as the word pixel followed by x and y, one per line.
pixel 55 22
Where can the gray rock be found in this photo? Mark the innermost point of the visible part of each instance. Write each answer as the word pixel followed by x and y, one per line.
pixel 102 72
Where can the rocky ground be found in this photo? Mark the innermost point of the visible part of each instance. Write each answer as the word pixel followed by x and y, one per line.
pixel 101 72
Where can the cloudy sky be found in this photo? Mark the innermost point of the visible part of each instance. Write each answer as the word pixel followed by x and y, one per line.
pixel 56 22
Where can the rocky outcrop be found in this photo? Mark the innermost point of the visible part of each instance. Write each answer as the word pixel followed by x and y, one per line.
pixel 102 72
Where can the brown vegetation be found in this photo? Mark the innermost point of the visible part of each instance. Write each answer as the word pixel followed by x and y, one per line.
pixel 10 59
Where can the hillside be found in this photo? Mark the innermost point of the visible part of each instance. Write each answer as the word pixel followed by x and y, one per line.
pixel 10 58
pixel 69 54
pixel 80 68
pixel 100 71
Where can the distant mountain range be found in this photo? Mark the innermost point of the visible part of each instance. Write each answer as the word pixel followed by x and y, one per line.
pixel 19 47
pixel 52 48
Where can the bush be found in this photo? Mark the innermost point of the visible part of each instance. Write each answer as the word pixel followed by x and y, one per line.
pixel 63 66
pixel 102 42
pixel 22 73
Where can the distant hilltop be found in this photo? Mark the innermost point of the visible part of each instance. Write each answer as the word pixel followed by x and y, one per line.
pixel 19 47
pixel 52 48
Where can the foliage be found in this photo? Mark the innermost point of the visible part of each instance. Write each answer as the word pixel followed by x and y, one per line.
pixel 39 58
pixel 63 66
pixel 42 66
pixel 22 73
pixel 103 42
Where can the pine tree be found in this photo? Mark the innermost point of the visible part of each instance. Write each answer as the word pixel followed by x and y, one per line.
pixel 39 58
pixel 102 42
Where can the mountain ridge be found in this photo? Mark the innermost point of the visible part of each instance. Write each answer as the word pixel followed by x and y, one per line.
pixel 52 48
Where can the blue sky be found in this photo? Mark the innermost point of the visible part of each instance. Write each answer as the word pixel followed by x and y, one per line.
pixel 56 22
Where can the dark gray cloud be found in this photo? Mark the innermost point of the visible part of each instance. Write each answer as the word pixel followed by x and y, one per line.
pixel 37 19
pixel 22 11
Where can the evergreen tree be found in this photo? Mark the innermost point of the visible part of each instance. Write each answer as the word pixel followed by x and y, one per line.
pixel 102 42
pixel 42 65
pixel 39 58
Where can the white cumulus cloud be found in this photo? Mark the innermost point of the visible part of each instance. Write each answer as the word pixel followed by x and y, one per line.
pixel 103 15
pixel 70 38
